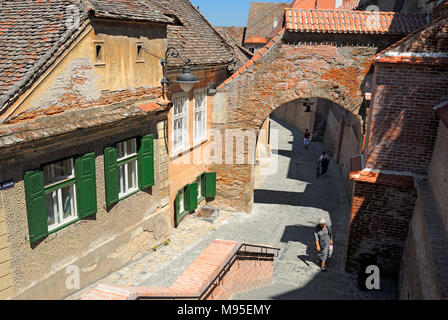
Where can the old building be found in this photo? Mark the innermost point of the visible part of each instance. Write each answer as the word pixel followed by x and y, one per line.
pixel 401 191
pixel 92 154
pixel 211 59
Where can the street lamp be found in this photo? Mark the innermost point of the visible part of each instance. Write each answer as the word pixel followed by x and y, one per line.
pixel 186 80
pixel 307 104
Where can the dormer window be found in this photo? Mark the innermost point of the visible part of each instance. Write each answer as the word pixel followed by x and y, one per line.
pixel 99 53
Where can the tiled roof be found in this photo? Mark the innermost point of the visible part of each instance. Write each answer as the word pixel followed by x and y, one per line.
pixel 339 21
pixel 195 38
pixel 428 46
pixel 260 21
pixel 137 10
pixel 33 32
pixel 381 178
pixel 254 59
pixel 241 54
pixel 256 39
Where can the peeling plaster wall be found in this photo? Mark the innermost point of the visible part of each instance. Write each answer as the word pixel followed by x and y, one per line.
pixel 78 80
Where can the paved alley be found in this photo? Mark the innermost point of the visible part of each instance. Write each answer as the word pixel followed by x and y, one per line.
pixel 286 209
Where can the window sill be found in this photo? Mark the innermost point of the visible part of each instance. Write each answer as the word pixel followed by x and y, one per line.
pixel 99 64
pixel 179 152
pixel 128 195
pixel 140 61
pixel 201 199
pixel 199 142
pixel 64 225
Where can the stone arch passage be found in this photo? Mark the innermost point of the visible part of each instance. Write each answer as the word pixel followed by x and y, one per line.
pixel 282 73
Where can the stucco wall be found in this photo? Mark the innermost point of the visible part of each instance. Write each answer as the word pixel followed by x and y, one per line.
pixel 120 233
pixel 185 167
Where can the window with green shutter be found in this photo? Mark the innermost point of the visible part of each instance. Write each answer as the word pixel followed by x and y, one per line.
pixel 111 175
pixel 146 162
pixel 60 194
pixel 200 180
pixel 191 196
pixel 86 185
pixel 128 167
pixel 210 184
pixel 35 204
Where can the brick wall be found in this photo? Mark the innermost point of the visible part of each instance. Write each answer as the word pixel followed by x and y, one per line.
pixel 403 125
pixel 245 272
pixel 438 173
pixel 289 70
pixel 379 224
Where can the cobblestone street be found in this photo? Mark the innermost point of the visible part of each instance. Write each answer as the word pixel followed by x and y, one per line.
pixel 287 207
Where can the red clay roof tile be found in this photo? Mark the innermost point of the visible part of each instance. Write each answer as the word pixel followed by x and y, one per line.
pixel 340 21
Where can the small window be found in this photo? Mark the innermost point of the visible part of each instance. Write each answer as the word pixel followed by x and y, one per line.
pixel 200 116
pixel 252 50
pixel 181 202
pixel 140 52
pixel 60 193
pixel 127 159
pixel 275 22
pixel 180 122
pixel 99 52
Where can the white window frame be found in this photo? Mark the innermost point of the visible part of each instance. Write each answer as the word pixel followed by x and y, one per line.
pixel 199 182
pixel 180 98
pixel 202 108
pixel 58 194
pixel 127 156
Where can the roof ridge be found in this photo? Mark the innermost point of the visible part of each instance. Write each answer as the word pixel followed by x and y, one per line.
pixel 254 59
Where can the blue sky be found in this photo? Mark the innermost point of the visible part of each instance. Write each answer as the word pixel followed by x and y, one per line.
pixel 227 12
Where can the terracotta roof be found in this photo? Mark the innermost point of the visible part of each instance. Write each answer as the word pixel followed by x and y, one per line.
pixel 426 46
pixel 33 32
pixel 66 122
pixel 256 39
pixel 193 35
pixel 260 53
pixel 242 55
pixel 339 21
pixel 388 179
pixel 136 10
pixel 260 21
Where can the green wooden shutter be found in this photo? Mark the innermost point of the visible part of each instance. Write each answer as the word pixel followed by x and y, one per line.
pixel 111 175
pixel 210 184
pixel 146 162
pixel 36 205
pixel 191 195
pixel 86 185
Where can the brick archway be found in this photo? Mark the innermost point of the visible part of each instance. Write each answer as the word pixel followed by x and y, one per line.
pixel 287 70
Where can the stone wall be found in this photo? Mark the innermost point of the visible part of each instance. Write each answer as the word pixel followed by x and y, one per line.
pixel 379 224
pixel 99 244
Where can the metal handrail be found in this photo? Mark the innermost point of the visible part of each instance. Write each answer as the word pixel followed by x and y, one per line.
pixel 204 291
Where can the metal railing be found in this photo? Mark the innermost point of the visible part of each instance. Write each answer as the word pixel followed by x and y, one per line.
pixel 207 291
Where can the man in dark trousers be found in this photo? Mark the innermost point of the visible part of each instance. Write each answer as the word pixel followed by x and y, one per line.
pixel 324 239
pixel 323 163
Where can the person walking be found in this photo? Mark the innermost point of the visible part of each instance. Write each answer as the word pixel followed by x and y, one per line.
pixel 323 163
pixel 306 138
pixel 324 240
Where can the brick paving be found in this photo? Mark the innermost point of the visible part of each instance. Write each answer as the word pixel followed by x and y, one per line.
pixel 287 206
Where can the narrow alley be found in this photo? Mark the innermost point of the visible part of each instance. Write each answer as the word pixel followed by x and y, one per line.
pixel 286 209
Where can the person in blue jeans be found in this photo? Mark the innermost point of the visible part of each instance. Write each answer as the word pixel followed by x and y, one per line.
pixel 324 239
